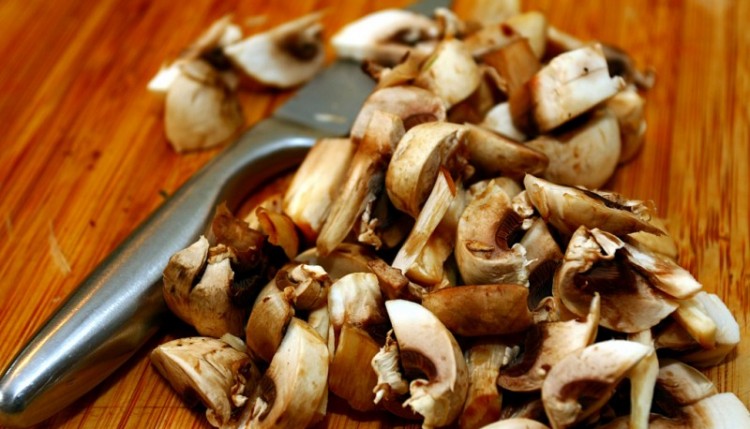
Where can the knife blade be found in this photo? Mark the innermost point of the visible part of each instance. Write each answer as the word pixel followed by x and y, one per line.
pixel 118 307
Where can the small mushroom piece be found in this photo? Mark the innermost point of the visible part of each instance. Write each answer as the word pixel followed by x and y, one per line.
pixel 347 258
pixel 412 104
pixel 571 84
pixel 581 383
pixel 245 243
pixel 355 299
pixel 481 310
pixel 427 346
pixel 500 120
pixel 386 364
pixel 628 108
pixel 364 179
pixel 451 72
pixel 663 244
pixel 483 400
pixel 306 285
pixel 181 274
pixel 568 208
pixel 284 56
pixel 662 272
pixel 584 156
pixel 494 154
pixel 268 322
pixel 280 230
pixel 386 36
pixel 544 256
pixel 486 248
pixel 488 12
pixel 516 423
pixel 594 263
pixel 212 311
pixel 416 163
pixel 291 390
pixel 546 344
pixel 201 111
pixel 727 332
pixel 310 195
pixel 351 377
pixel 681 384
pixel 529 25
pixel 208 369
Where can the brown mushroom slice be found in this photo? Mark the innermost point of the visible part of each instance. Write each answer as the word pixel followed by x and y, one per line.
pixel 663 272
pixel 516 423
pixel 483 400
pixel 435 207
pixel 200 111
pixel 426 345
pixel 416 163
pixel 284 56
pixel 546 344
pixel 212 311
pixel 364 179
pixel 494 154
pixel 571 84
pixel 181 274
pixel 351 376
pixel 581 383
pixel 628 107
pixel 481 310
pixel 385 36
pixel 308 199
pixel 593 264
pixel 355 299
pixel 268 322
pixel 727 332
pixel 450 72
pixel 412 104
pixel 291 390
pixel 210 370
pixel 584 156
pixel 567 208
pixel 485 249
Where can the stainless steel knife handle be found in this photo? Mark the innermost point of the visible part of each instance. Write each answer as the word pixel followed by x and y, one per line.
pixel 118 307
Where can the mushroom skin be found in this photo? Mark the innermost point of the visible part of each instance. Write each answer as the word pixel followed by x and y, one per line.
pixel 354 352
pixel 483 401
pixel 451 72
pixel 268 322
pixel 212 311
pixel 427 345
pixel 494 154
pixel 181 274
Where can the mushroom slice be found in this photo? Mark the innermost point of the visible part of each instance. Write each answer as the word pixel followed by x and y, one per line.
pixel 351 376
pixel 306 285
pixel 642 382
pixel 584 156
pixel 529 25
pixel 500 120
pixel 691 315
pixel 208 369
pixel 450 72
pixel 628 107
pixel 181 274
pixel 427 346
pixel 412 104
pixel 201 111
pixel 308 199
pixel 571 84
pixel 483 400
pixel 212 311
pixel 727 332
pixel 544 256
pixel 280 230
pixel 681 384
pixel 494 154
pixel 355 299
pixel 486 251
pixel 516 423
pixel 582 382
pixel 284 56
pixel 663 244
pixel 295 383
pixel 385 36
pixel 594 263
pixel 662 272
pixel 481 310
pixel 567 208
pixel 416 163
pixel 546 344
pixel 347 258
pixel 489 12
pixel 364 179
pixel 268 322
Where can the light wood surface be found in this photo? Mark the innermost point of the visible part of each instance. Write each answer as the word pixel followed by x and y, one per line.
pixel 83 157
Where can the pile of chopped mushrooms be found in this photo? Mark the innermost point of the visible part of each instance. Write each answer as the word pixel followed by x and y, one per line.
pixel 461 266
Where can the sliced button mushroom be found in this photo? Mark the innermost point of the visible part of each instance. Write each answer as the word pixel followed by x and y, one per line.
pixel 727 332
pixel 210 370
pixel 544 256
pixel 567 208
pixel 306 285
pixel 585 156
pixel 481 310
pixel 268 322
pixel 212 311
pixel 662 272
pixel 581 383
pixel 201 111
pixel 412 104
pixel 494 155
pixel 181 274
pixel 571 84
pixel 295 383
pixel 529 25
pixel 594 263
pixel 416 163
pixel 355 299
pixel 546 344
pixel 450 72
pixel 663 244
pixel 347 258
pixel 500 120
pixel 484 400
pixel 280 230
pixel 628 107
pixel 284 56
pixel 427 346
pixel 364 179
pixel 386 36
pixel 680 384
pixel 316 182
pixel 387 365
pixel 351 376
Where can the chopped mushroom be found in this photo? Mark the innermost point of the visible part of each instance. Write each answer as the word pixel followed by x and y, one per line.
pixel 212 311
pixel 450 72
pixel 181 274
pixel 351 376
pixel 484 399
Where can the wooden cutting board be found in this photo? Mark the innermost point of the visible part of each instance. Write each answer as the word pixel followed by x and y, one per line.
pixel 83 158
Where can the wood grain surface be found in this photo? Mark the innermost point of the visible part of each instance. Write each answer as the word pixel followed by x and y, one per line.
pixel 83 157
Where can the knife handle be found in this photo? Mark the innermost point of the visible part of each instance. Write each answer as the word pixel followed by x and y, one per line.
pixel 118 307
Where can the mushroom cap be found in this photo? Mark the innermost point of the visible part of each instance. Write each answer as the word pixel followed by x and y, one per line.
pixel 427 345
pixel 181 273
pixel 484 399
pixel 354 352
pixel 451 72
pixel 355 300
pixel 494 154
pixel 212 312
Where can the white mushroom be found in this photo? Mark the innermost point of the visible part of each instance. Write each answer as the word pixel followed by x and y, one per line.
pixel 355 300
pixel 426 345
pixel 451 72
pixel 268 322
pixel 181 274
pixel 212 311
pixel 727 332
pixel 628 107
pixel 284 56
pixel 494 154
pixel 500 120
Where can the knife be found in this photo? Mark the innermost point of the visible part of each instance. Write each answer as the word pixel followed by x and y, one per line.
pixel 119 306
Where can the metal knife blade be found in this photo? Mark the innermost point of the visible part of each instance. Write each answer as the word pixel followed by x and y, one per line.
pixel 118 307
